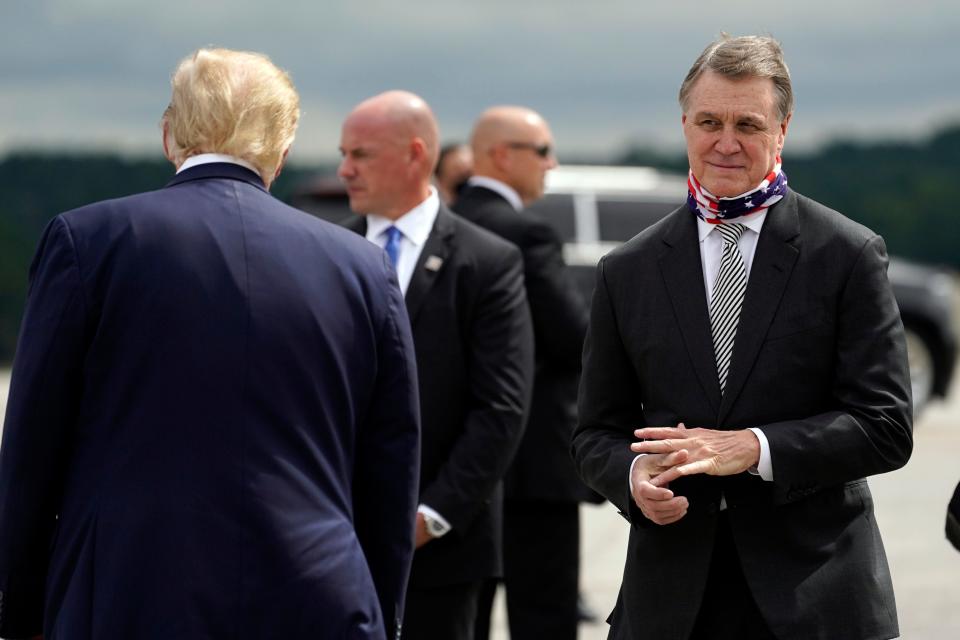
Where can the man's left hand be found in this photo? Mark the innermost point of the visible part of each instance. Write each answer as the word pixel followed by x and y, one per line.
pixel 715 453
pixel 421 535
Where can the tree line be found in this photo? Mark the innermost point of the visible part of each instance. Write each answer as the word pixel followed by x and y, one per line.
pixel 900 189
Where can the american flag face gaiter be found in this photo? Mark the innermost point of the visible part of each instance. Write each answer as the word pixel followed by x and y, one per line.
pixel 715 210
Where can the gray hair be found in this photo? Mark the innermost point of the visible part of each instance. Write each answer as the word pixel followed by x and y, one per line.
pixel 742 57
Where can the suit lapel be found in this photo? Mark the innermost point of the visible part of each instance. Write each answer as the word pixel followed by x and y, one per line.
pixel 683 275
pixel 773 262
pixel 432 261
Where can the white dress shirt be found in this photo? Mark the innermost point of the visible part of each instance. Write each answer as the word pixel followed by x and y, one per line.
pixel 207 158
pixel 711 251
pixel 509 193
pixel 414 226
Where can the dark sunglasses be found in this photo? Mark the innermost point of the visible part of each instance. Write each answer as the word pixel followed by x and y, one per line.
pixel 542 150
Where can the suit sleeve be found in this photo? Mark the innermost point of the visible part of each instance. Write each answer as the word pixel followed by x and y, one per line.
pixel 500 372
pixel 610 404
pixel 42 407
pixel 386 475
pixel 559 312
pixel 870 431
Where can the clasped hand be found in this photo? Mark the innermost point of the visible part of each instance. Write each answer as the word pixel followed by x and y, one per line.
pixel 676 452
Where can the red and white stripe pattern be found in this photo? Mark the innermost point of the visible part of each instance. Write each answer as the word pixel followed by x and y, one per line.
pixel 714 210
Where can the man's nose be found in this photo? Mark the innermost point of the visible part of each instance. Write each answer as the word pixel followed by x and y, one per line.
pixel 727 143
pixel 345 170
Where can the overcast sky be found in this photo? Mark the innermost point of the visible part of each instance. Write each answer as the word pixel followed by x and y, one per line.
pixel 95 73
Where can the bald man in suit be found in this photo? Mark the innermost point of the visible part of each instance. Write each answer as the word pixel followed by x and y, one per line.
pixel 513 151
pixel 463 288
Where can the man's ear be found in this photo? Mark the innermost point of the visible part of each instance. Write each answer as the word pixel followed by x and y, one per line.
pixel 276 174
pixel 500 156
pixel 783 130
pixel 283 161
pixel 418 150
pixel 168 147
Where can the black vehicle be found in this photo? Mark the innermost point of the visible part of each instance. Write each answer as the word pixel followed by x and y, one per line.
pixel 596 208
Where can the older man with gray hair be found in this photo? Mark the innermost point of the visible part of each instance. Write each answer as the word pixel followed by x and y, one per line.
pixel 744 372
pixel 212 429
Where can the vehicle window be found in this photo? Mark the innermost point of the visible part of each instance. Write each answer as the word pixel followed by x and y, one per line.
pixel 621 219
pixel 557 209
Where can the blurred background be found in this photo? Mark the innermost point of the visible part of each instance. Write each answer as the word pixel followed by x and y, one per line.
pixel 876 135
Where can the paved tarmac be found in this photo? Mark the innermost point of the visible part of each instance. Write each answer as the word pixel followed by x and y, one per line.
pixel 910 504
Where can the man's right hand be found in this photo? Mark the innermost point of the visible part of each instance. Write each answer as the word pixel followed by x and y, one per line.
pixel 658 504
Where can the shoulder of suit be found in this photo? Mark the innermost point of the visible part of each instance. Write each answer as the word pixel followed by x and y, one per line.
pixel 163 204
pixel 524 227
pixel 473 237
pixel 821 226
pixel 477 202
pixel 649 241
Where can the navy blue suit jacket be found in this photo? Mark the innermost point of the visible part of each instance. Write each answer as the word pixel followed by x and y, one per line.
pixel 212 428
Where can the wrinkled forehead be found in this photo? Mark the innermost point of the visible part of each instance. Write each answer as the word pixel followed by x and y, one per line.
pixel 717 94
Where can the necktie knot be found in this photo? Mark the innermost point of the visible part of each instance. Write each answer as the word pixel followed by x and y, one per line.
pixel 731 232
pixel 393 244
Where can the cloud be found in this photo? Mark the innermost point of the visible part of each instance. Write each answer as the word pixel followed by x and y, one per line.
pixel 95 72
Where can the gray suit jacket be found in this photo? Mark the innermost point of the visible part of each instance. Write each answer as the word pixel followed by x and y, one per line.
pixel 819 363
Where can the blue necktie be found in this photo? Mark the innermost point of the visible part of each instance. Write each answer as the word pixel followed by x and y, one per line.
pixel 393 244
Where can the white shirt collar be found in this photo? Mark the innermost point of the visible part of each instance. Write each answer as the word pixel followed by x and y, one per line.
pixel 754 222
pixel 207 158
pixel 509 193
pixel 415 225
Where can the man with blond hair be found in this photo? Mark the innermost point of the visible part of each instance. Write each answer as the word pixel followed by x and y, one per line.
pixel 513 151
pixel 212 430
pixel 463 289
pixel 744 372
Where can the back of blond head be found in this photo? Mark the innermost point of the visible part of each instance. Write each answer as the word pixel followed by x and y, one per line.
pixel 232 102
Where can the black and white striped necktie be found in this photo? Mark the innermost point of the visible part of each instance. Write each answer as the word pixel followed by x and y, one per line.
pixel 727 298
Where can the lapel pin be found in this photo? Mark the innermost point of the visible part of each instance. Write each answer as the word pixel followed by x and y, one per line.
pixel 433 263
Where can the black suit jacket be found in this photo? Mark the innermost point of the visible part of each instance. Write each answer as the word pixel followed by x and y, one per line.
pixel 953 519
pixel 819 363
pixel 212 424
pixel 543 468
pixel 472 336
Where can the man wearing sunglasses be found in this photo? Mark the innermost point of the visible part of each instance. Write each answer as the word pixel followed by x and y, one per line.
pixel 513 150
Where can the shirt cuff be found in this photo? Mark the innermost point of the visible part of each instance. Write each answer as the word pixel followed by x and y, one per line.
pixel 437 531
pixel 764 467
pixel 630 477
